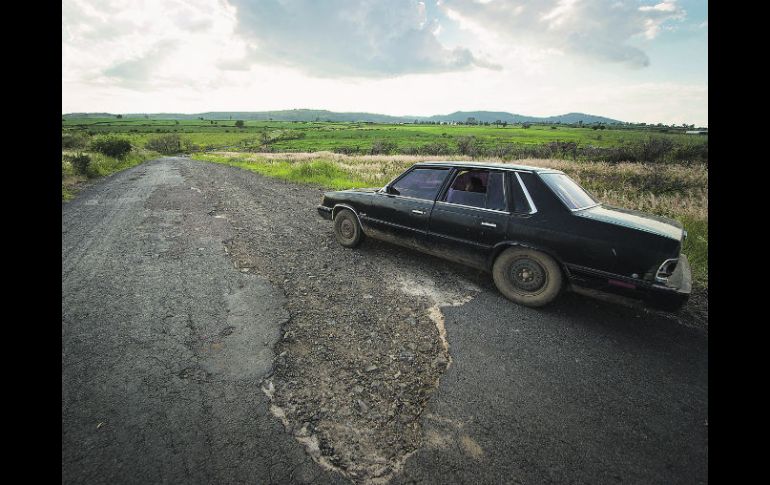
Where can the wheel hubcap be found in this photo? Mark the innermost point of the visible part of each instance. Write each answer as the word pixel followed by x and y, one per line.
pixel 346 228
pixel 527 275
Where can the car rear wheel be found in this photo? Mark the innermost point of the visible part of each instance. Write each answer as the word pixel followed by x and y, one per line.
pixel 346 229
pixel 527 276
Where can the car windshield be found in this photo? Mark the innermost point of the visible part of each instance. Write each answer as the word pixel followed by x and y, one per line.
pixel 573 195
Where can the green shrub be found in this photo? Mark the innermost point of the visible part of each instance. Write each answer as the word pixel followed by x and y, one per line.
pixel 166 144
pixel 693 152
pixel 382 147
pixel 437 148
pixel 76 140
pixel 467 145
pixel 655 149
pixel 80 163
pixel 111 146
pixel 346 150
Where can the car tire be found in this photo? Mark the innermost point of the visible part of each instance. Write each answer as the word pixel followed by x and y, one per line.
pixel 347 230
pixel 527 277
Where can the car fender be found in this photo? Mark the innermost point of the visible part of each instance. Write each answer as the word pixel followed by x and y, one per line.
pixel 503 245
pixel 337 208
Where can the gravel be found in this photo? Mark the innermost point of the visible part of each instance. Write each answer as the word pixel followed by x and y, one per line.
pixel 362 350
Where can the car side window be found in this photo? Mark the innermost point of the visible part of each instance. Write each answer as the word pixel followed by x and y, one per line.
pixel 420 183
pixel 478 188
pixel 520 203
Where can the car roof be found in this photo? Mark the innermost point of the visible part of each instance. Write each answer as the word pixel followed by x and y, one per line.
pixel 491 165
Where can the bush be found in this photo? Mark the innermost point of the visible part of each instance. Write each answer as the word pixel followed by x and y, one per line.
pixel 80 163
pixel 111 146
pixel 437 148
pixel 166 144
pixel 563 148
pixel 409 150
pixel 655 149
pixel 467 145
pixel 695 152
pixel 346 150
pixel 502 151
pixel 75 140
pixel 382 147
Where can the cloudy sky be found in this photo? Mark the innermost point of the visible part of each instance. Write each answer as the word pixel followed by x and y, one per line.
pixel 643 61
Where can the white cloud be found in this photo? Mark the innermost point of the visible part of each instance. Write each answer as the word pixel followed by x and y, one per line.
pixel 599 29
pixel 138 71
pixel 334 38
pixel 146 44
pixel 399 57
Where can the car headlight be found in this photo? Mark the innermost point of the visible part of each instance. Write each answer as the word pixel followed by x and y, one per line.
pixel 665 270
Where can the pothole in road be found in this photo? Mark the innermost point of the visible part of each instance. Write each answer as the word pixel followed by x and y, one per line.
pixel 355 404
pixel 423 286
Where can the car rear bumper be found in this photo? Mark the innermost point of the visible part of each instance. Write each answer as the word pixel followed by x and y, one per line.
pixel 325 212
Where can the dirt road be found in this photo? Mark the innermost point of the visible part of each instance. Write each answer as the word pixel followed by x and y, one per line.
pixel 214 332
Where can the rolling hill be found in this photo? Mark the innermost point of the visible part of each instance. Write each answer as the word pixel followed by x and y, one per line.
pixel 324 115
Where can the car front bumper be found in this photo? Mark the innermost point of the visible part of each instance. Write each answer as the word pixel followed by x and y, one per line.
pixel 325 212
pixel 669 296
pixel 675 292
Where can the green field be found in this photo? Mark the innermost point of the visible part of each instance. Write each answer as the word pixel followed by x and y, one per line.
pixel 612 143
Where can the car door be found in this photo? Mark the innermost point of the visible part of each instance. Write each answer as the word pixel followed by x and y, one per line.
pixel 402 211
pixel 470 216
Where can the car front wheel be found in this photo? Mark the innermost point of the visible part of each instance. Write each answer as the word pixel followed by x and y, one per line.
pixel 527 276
pixel 346 229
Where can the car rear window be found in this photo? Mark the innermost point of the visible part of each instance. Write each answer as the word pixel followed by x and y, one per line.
pixel 566 189
pixel 421 183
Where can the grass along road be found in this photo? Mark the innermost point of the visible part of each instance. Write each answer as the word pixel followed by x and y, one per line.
pixel 97 165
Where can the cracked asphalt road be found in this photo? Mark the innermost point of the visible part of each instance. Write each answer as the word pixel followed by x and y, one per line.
pixel 582 392
pixel 165 343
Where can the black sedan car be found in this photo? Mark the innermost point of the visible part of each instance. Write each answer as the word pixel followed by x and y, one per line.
pixel 535 229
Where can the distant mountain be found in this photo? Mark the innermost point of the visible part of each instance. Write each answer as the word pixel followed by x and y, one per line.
pixel 324 115
pixel 492 116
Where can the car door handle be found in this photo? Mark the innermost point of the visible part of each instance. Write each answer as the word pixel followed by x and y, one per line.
pixel 489 224
pixel 415 211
